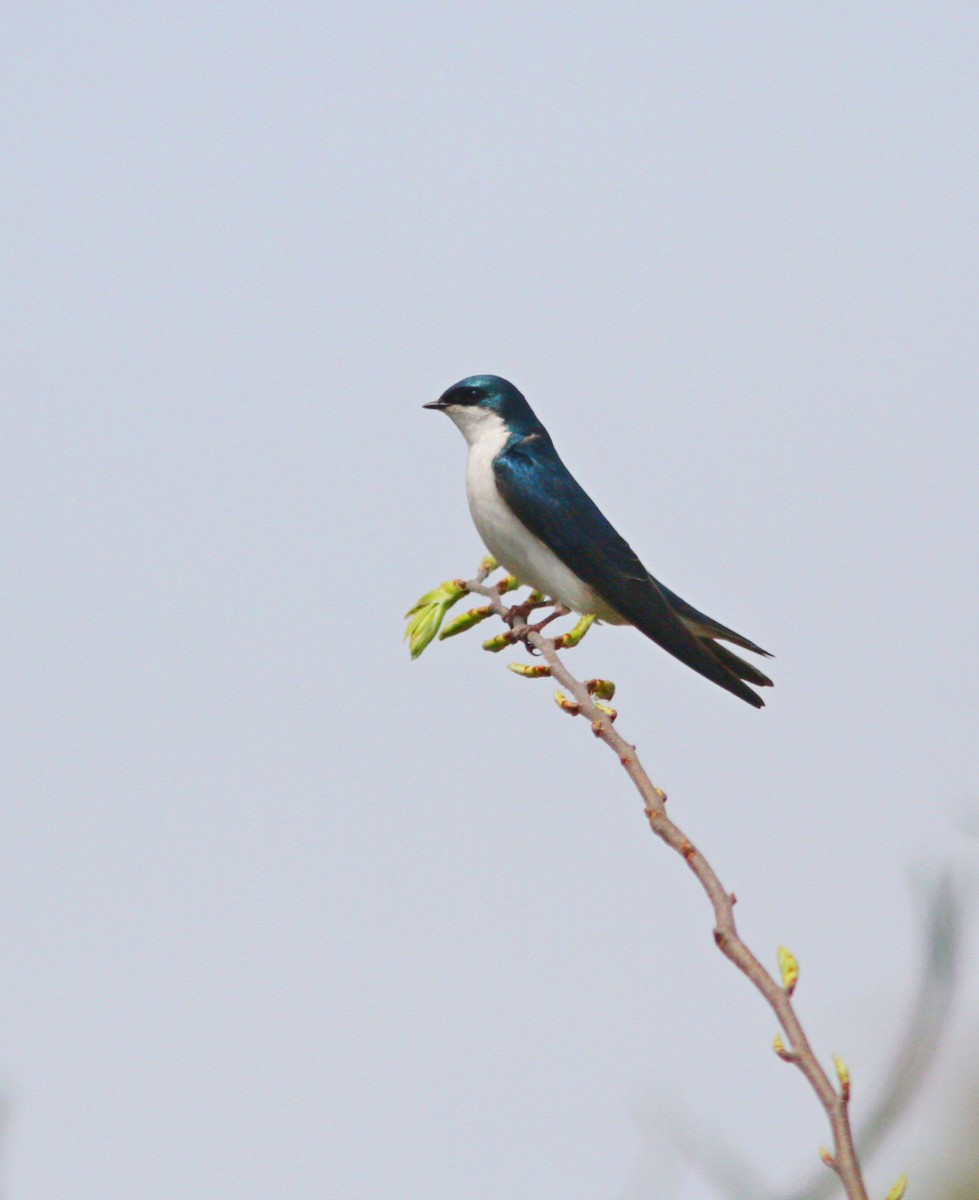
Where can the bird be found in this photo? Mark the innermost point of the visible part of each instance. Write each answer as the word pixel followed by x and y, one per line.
pixel 540 525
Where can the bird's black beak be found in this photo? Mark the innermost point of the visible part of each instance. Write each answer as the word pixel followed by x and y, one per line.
pixel 436 404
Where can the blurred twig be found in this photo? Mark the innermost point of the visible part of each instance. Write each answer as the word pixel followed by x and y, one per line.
pixel 926 1022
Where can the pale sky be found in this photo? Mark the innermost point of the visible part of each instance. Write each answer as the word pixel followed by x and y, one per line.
pixel 285 915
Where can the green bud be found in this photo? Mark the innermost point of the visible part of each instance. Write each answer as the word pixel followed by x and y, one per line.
pixel 843 1075
pixel 610 712
pixel 529 672
pixel 601 689
pixel 498 643
pixel 789 967
pixel 509 584
pixel 465 621
pixel 450 591
pixel 568 640
pixel 566 704
pixel 425 618
pixel 489 564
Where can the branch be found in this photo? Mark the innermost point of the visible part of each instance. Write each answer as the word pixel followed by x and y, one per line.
pixel 843 1159
pixel 925 1024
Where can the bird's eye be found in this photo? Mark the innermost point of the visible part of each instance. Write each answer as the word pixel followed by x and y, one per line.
pixel 462 396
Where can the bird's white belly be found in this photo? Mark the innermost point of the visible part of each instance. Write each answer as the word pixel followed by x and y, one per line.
pixel 514 547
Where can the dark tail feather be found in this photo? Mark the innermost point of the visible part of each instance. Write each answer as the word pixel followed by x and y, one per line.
pixel 752 697
pixel 706 627
pixel 744 692
pixel 698 653
pixel 743 670
pixel 730 636
pixel 651 611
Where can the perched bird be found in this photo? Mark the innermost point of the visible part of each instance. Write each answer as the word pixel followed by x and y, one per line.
pixel 540 524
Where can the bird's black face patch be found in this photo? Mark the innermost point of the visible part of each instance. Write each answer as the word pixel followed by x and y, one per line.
pixel 465 394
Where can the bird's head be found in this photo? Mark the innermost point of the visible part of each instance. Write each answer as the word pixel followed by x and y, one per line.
pixel 484 404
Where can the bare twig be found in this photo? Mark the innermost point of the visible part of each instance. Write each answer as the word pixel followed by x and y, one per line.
pixel 843 1158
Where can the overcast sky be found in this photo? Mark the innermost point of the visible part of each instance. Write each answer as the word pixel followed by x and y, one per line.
pixel 285 915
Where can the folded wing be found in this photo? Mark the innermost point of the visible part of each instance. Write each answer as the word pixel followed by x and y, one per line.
pixel 545 497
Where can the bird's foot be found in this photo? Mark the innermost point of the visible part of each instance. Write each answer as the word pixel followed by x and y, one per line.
pixel 559 611
pixel 520 612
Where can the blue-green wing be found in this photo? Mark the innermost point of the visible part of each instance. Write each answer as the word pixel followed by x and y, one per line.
pixel 547 499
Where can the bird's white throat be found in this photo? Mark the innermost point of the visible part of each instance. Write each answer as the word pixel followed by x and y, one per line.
pixel 506 537
pixel 480 425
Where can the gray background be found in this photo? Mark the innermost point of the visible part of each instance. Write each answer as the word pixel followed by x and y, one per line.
pixel 282 914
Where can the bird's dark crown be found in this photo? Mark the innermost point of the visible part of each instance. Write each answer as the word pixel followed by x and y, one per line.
pixel 495 393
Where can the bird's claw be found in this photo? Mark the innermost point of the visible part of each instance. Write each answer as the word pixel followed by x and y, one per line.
pixel 559 611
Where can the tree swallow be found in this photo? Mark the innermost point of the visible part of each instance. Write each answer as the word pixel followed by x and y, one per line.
pixel 541 525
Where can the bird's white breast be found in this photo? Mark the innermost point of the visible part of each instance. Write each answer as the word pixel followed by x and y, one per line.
pixel 509 541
